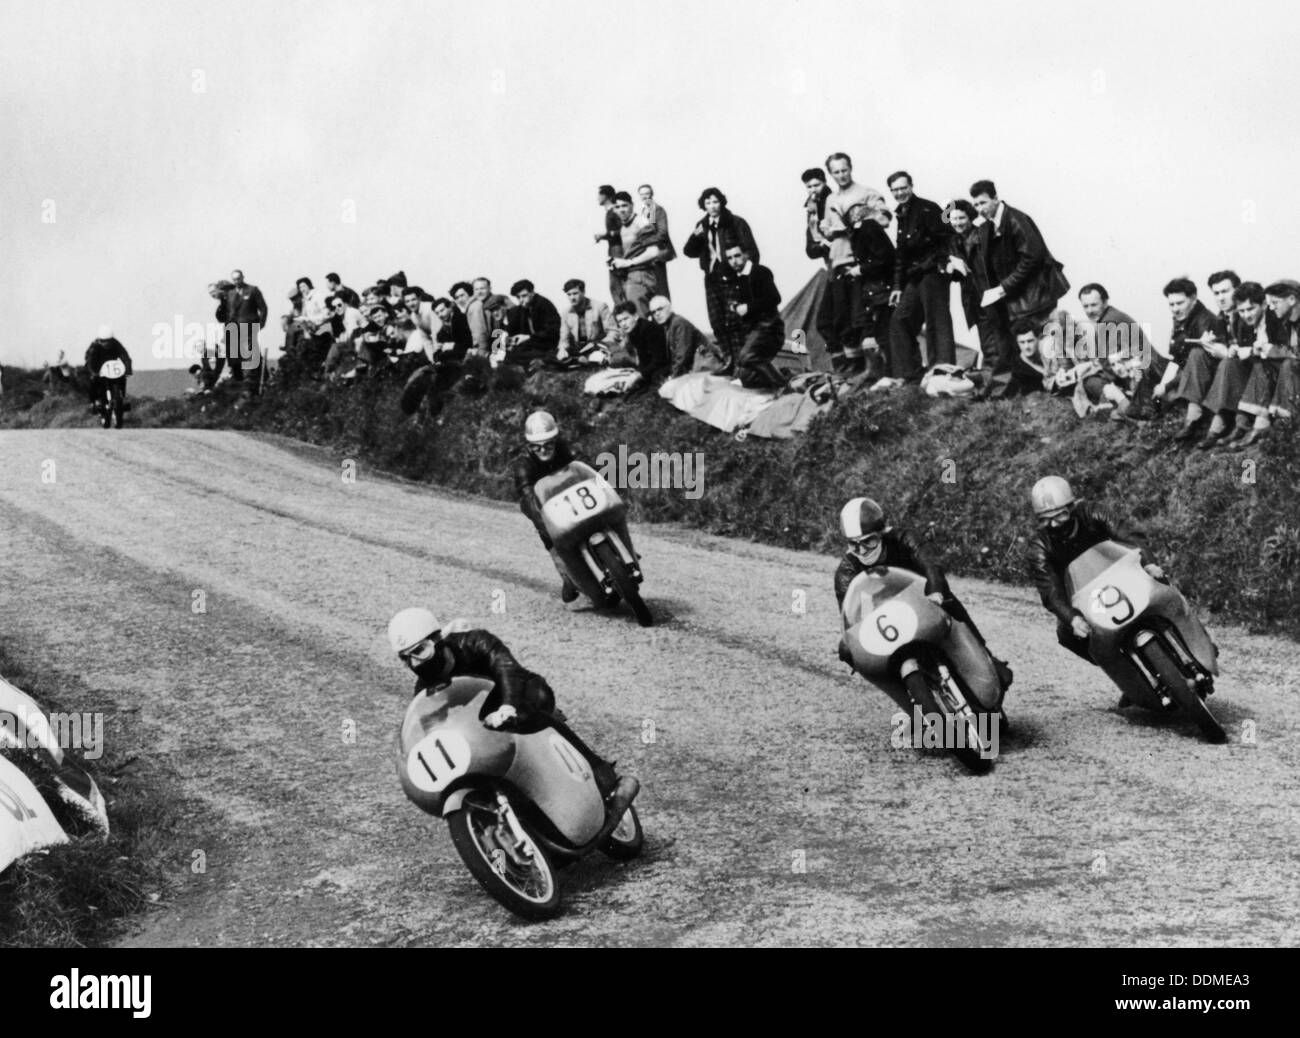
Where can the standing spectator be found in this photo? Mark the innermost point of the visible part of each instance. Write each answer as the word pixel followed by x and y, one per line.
pixel 844 289
pixel 103 349
pixel 642 264
pixel 874 263
pixel 964 266
pixel 653 213
pixel 1121 346
pixel 486 315
pixel 645 345
pixel 706 243
pixel 1255 329
pixel 920 284
pixel 588 332
pixel 684 340
pixel 533 325
pixel 246 312
pixel 611 236
pixel 1025 280
pixel 220 292
pixel 816 247
pixel 757 304
pixel 336 288
pixel 1197 344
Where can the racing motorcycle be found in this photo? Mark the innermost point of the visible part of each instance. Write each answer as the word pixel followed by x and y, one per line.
pixel 587 522
pixel 519 806
pixel 112 374
pixel 912 650
pixel 1144 635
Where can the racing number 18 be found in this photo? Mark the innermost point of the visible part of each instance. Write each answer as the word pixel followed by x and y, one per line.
pixel 584 497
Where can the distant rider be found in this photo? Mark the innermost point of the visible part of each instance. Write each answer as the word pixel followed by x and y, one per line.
pixel 1066 529
pixel 545 452
pixel 522 700
pixel 102 350
pixel 874 543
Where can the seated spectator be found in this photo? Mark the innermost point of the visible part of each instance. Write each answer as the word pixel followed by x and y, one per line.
pixel 1196 344
pixel 377 342
pixel 588 333
pixel 533 326
pixel 1253 329
pixel 486 315
pixel 346 325
pixel 644 347
pixel 1121 346
pixel 1286 396
pixel 1278 347
pixel 684 340
pixel 757 303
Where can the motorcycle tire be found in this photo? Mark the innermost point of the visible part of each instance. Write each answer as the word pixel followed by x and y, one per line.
pixel 117 399
pixel 610 560
pixel 473 834
pixel 1159 660
pixel 929 699
pixel 628 838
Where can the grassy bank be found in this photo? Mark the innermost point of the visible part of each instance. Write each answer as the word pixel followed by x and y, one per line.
pixel 82 893
pixel 1226 525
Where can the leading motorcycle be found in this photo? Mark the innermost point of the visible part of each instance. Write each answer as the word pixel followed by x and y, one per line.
pixel 112 375
pixel 519 806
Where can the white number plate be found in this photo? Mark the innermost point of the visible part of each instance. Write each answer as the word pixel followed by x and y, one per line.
pixel 888 628
pixel 112 369
pixel 437 759
pixel 575 504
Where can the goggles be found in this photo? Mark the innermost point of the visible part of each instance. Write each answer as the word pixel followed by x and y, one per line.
pixel 865 544
pixel 1057 517
pixel 423 651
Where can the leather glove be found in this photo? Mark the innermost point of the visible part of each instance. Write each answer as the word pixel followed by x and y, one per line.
pixel 1155 571
pixel 500 716
pixel 1080 626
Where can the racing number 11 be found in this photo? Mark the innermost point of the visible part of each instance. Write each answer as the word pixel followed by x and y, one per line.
pixel 451 765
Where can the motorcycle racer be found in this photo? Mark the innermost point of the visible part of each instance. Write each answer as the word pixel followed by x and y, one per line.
pixel 102 350
pixel 872 542
pixel 522 700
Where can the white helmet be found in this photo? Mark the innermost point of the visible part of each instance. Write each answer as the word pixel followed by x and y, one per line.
pixel 541 427
pixel 105 332
pixel 410 627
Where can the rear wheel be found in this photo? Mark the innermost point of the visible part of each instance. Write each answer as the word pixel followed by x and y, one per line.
pixel 610 560
pixel 516 873
pixel 1180 691
pixel 627 839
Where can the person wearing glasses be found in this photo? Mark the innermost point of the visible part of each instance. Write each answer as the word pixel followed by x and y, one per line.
pixel 1066 529
pixel 520 700
pixel 872 542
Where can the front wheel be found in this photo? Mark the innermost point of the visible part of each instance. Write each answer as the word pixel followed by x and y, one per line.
pixel 1159 660
pixel 516 873
pixel 628 838
pixel 610 560
pixel 961 734
pixel 116 402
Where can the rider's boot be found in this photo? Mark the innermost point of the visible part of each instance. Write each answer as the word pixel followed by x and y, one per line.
pixel 568 593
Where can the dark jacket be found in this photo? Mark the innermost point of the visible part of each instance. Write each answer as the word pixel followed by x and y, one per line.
pixel 758 291
pixel 1017 258
pixel 102 350
pixel 529 468
pixel 684 340
pixel 480 653
pixel 458 334
pixel 730 226
pixel 815 246
pixel 539 319
pixel 1195 325
pixel 973 285
pixel 1051 553
pixel 922 241
pixel 875 254
pixel 900 550
pixel 246 306
pixel 647 343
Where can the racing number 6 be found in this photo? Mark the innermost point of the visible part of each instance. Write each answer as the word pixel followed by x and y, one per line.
pixel 887 631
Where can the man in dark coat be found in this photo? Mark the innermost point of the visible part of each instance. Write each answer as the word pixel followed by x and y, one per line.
pixel 757 304
pixel 920 289
pixel 706 244
pixel 533 325
pixel 645 343
pixel 246 316
pixel 1025 280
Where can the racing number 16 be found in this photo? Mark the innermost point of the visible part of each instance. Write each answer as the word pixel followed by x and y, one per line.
pixel 585 497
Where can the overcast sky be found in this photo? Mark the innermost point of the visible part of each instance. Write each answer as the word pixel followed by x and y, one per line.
pixel 149 148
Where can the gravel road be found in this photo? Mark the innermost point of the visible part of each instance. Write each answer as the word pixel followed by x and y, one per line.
pixel 776 810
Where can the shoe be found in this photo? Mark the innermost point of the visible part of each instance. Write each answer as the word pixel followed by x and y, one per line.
pixel 1188 434
pixel 1123 701
pixel 1251 439
pixel 886 384
pixel 568 593
pixel 1238 434
pixel 617 803
pixel 1005 673
pixel 606 778
pixel 1211 440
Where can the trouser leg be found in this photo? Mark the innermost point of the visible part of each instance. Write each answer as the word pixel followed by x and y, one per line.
pixel 904 354
pixel 934 292
pixel 1066 637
